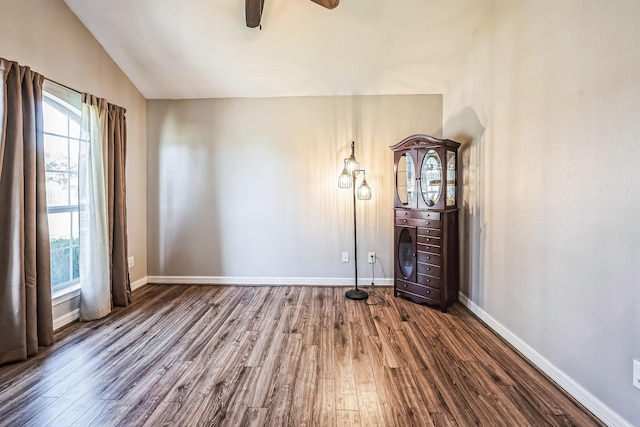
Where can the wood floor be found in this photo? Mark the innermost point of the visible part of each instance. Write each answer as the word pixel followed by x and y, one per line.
pixel 272 356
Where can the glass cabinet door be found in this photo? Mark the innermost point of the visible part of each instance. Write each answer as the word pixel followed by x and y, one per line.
pixel 406 254
pixel 451 178
pixel 431 178
pixel 405 179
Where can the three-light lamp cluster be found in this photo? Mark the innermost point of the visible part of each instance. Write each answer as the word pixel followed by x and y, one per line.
pixel 347 179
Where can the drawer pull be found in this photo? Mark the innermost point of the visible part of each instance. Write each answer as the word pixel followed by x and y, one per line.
pixel 405 220
pixel 428 269
pixel 428 292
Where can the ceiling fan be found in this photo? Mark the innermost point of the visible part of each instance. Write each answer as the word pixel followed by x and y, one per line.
pixel 253 9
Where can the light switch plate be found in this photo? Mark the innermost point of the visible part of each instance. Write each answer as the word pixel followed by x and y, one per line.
pixel 132 262
pixel 636 373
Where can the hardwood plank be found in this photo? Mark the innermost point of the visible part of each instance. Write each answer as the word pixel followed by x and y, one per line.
pixel 304 386
pixel 369 405
pixel 324 409
pixel 278 402
pixel 254 417
pixel 346 418
pixel 375 355
pixel 410 408
pixel 239 402
pixel 345 392
pixel 414 342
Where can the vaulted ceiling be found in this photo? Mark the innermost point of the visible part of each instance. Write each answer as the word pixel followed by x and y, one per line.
pixel 174 49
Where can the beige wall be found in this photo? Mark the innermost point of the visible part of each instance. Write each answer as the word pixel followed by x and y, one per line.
pixel 548 104
pixel 248 187
pixel 58 46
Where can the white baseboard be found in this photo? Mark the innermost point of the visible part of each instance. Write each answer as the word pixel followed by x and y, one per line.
pixel 65 319
pixel 265 281
pixel 138 283
pixel 592 403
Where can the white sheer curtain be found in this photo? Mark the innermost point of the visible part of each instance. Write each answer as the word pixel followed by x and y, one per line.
pixel 95 280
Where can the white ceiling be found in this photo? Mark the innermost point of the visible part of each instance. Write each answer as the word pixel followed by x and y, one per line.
pixel 173 49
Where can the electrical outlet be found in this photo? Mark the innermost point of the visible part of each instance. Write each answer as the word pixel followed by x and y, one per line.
pixel 372 258
pixel 345 256
pixel 636 373
pixel 132 262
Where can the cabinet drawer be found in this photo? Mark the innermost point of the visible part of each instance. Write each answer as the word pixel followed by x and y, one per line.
pixel 410 221
pixel 417 214
pixel 428 240
pixel 429 270
pixel 417 298
pixel 430 249
pixel 428 232
pixel 433 246
pixel 428 258
pixel 430 281
pixel 413 290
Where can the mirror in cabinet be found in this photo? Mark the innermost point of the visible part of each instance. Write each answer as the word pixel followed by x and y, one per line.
pixel 405 179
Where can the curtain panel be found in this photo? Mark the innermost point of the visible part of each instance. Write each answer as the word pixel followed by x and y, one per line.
pixel 117 207
pixel 95 277
pixel 25 284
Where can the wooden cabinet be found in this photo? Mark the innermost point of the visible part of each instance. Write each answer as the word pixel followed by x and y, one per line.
pixel 426 259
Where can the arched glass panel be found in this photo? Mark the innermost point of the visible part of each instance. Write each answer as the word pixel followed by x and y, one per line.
pixel 405 179
pixel 451 178
pixel 431 178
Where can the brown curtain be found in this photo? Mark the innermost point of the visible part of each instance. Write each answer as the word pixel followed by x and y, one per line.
pixel 25 285
pixel 117 209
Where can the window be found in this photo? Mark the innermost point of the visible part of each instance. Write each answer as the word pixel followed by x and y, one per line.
pixel 61 147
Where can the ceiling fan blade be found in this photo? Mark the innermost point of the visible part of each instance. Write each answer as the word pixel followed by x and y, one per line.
pixel 253 12
pixel 329 4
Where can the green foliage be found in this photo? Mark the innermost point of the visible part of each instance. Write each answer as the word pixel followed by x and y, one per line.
pixel 64 269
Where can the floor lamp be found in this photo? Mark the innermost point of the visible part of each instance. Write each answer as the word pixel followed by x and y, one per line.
pixel 347 179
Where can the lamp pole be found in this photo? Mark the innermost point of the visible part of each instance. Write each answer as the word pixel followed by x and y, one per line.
pixel 356 293
pixel 348 179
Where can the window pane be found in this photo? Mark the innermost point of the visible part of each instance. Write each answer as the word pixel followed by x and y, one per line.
pixel 55 121
pixel 74 128
pixel 73 189
pixel 76 261
pixel 60 229
pixel 75 227
pixel 56 153
pixel 57 193
pixel 74 155
pixel 60 266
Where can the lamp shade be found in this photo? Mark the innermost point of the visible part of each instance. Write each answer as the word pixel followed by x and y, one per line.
pixel 351 164
pixel 364 191
pixel 345 178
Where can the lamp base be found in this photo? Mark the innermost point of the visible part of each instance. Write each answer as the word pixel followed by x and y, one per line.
pixel 357 294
